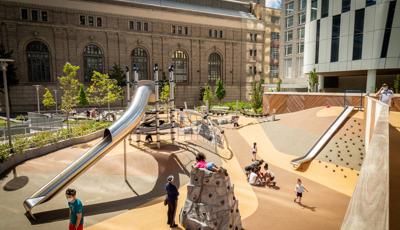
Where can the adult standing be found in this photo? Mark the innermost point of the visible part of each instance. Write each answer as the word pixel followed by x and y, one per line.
pixel 171 201
pixel 385 94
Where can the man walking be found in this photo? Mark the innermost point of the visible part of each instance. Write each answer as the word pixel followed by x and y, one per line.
pixel 171 201
pixel 75 210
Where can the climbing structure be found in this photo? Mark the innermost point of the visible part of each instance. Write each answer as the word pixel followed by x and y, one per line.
pixel 210 202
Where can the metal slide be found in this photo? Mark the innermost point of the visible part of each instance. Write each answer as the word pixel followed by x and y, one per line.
pixel 112 136
pixel 323 140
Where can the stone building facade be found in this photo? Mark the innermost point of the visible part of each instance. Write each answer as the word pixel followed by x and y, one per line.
pixel 272 18
pixel 204 42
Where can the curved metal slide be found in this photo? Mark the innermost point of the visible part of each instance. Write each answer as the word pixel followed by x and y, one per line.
pixel 112 136
pixel 323 140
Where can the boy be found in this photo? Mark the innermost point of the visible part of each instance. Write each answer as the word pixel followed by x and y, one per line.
pixel 299 189
pixel 75 210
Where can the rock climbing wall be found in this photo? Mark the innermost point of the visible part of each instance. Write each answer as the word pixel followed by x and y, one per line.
pixel 210 203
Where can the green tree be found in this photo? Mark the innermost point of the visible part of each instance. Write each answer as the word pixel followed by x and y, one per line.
pixel 313 80
pixel 69 85
pixel 220 90
pixel 118 74
pixel 208 95
pixel 256 95
pixel 82 99
pixel 278 85
pixel 164 95
pixel 48 99
pixel 103 90
pixel 397 83
pixel 11 72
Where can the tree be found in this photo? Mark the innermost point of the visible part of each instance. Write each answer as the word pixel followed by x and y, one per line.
pixel 82 99
pixel 69 84
pixel 11 72
pixel 164 95
pixel 397 83
pixel 208 95
pixel 118 74
pixel 103 90
pixel 256 95
pixel 313 80
pixel 278 85
pixel 48 99
pixel 219 90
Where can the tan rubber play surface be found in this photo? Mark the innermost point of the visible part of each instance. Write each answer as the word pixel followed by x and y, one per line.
pixel 111 204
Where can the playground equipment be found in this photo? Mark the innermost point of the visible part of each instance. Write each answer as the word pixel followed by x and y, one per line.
pixel 323 140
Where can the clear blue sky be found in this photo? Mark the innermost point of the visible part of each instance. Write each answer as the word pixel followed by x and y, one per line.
pixel 273 3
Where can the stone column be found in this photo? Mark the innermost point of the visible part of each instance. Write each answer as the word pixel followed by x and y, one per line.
pixel 371 81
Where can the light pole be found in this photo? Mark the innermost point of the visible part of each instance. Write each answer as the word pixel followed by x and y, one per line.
pixel 135 76
pixel 3 64
pixel 55 95
pixel 128 86
pixel 37 97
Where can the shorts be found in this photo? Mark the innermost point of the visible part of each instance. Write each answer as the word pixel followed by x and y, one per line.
pixel 299 194
pixel 72 227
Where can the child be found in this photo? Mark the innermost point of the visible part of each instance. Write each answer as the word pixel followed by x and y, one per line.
pixel 75 210
pixel 200 161
pixel 181 117
pixel 254 152
pixel 211 166
pixel 299 189
pixel 254 179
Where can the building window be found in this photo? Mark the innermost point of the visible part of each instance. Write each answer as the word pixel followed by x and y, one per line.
pixel 179 29
pixel 146 26
pixel 44 16
pixel 275 19
pixel 302 18
pixel 251 52
pixel 289 35
pixel 90 20
pixel 346 5
pixel 24 14
pixel 173 29
pixel 358 34
pixel 300 46
pixel 289 22
pixel 289 8
pixel 335 38
pixel 288 68
pixel 139 26
pixel 38 59
pixel 300 33
pixel 302 5
pixel 274 53
pixel 317 42
pixel 275 36
pixel 288 49
pixel 388 29
pixel 274 71
pixel 180 62
pixel 255 37
pixel 370 2
pixel 314 9
pixel 210 33
pixel 35 15
pixel 214 67
pixel 131 25
pixel 215 33
pixel 99 22
pixel 221 34
pixel 251 69
pixel 300 67
pixel 82 20
pixel 140 59
pixel 92 61
pixel 324 8
pixel 254 70
pixel 186 30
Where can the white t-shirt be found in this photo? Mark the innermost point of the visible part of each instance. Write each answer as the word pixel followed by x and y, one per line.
pixel 299 188
pixel 386 96
pixel 254 150
pixel 252 178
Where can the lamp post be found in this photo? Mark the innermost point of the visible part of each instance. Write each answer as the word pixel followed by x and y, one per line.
pixel 37 97
pixel 3 64
pixel 128 86
pixel 135 76
pixel 55 95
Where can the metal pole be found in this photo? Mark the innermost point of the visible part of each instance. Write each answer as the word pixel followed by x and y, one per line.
pixel 4 69
pixel 172 101
pixel 125 174
pixel 37 97
pixel 135 76
pixel 55 95
pixel 128 86
pixel 156 83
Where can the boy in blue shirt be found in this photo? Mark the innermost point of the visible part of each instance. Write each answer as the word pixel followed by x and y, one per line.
pixel 75 210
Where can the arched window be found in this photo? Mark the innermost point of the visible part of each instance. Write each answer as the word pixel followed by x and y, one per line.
pixel 214 67
pixel 38 58
pixel 141 59
pixel 180 62
pixel 92 61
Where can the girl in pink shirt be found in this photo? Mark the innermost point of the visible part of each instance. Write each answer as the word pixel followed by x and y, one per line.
pixel 200 161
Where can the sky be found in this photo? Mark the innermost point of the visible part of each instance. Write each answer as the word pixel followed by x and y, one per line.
pixel 273 3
